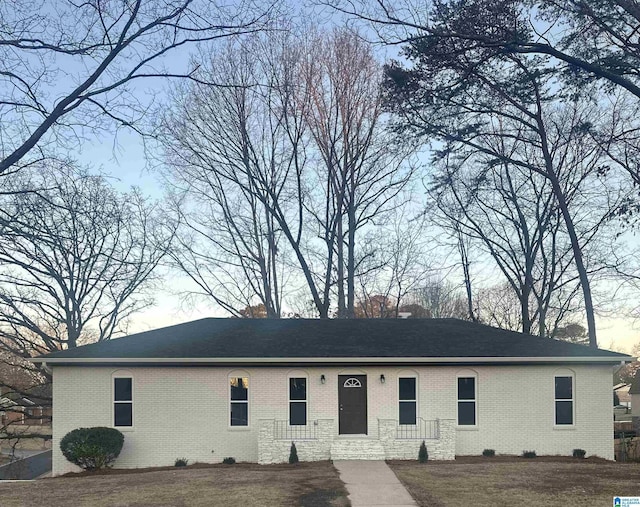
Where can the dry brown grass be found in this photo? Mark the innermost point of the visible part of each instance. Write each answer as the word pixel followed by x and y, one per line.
pixel 515 481
pixel 241 485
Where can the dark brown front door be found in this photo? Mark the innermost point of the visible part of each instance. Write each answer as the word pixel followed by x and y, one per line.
pixel 352 398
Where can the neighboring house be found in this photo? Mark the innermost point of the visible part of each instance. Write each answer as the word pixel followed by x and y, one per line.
pixel 339 389
pixel 20 410
pixel 622 393
pixel 634 394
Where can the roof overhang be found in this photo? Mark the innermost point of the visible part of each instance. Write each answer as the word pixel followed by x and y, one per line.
pixel 282 361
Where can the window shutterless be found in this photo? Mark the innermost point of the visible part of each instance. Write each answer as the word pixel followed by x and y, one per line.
pixel 298 401
pixel 407 400
pixel 239 403
pixel 466 401
pixel 123 401
pixel 564 400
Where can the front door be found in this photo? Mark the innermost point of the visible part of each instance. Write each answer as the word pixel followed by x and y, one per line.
pixel 352 398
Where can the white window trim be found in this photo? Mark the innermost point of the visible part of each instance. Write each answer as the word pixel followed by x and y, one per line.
pixel 415 400
pixel 571 375
pixel 113 403
pixel 473 375
pixel 247 401
pixel 306 399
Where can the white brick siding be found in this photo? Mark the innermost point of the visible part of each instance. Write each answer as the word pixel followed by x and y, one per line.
pixel 184 411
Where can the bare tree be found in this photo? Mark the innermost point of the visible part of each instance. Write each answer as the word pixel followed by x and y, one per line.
pixel 364 170
pixel 233 154
pixel 475 106
pixel 75 261
pixel 295 143
pixel 394 263
pixel 69 69
pixel 441 299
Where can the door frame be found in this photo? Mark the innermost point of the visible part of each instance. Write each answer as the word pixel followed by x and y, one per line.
pixel 366 400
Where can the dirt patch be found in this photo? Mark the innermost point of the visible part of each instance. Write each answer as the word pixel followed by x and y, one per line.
pixel 241 485
pixel 536 482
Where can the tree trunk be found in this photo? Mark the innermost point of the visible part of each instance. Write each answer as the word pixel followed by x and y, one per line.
pixel 568 220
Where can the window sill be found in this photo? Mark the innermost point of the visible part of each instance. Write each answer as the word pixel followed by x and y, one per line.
pixel 239 428
pixel 564 427
pixel 124 429
pixel 468 428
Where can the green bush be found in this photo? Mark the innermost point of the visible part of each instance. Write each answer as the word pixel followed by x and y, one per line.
pixel 528 454
pixel 293 455
pixel 423 455
pixel 92 448
pixel 181 462
pixel 488 453
pixel 229 461
pixel 579 453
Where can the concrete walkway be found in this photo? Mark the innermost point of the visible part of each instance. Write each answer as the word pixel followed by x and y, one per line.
pixel 372 483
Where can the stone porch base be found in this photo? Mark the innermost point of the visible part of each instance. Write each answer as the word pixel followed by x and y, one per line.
pixel 328 445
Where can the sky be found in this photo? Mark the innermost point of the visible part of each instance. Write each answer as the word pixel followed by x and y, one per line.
pixel 126 164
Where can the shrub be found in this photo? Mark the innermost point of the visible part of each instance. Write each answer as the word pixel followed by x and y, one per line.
pixel 528 454
pixel 229 461
pixel 579 453
pixel 181 462
pixel 293 455
pixel 488 453
pixel 423 455
pixel 92 448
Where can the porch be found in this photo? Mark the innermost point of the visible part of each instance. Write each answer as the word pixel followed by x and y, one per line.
pixel 319 440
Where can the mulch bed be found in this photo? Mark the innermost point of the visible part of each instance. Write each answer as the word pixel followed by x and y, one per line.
pixel 194 466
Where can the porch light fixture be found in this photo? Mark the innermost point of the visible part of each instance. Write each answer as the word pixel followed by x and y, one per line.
pixel 322 379
pixel 382 379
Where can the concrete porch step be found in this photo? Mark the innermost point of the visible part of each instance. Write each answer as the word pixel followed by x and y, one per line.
pixel 357 449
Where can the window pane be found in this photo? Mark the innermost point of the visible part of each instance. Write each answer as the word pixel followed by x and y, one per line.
pixel 407 388
pixel 466 413
pixel 239 414
pixel 564 388
pixel 564 412
pixel 466 388
pixel 407 412
pixel 122 389
pixel 298 413
pixel 239 388
pixel 123 414
pixel 297 388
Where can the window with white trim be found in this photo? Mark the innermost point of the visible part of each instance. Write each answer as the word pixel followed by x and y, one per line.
pixel 297 401
pixel 467 401
pixel 564 400
pixel 239 401
pixel 123 401
pixel 407 400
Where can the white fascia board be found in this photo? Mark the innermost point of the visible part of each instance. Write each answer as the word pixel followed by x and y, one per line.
pixel 332 360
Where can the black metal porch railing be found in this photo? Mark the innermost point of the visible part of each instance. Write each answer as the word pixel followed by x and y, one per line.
pixel 283 431
pixel 422 430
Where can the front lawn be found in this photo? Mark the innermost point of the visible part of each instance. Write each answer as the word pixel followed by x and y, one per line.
pixel 536 482
pixel 241 485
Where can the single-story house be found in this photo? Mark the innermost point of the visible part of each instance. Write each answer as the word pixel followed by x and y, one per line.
pixel 339 389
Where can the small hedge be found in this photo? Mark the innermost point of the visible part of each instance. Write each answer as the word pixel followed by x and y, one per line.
pixel 488 453
pixel 529 454
pixel 181 462
pixel 423 455
pixel 229 461
pixel 579 453
pixel 92 448
pixel 293 454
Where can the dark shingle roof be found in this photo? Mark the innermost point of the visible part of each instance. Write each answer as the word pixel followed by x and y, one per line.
pixel 337 338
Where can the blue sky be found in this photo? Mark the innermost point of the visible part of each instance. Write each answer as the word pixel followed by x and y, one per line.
pixel 125 161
